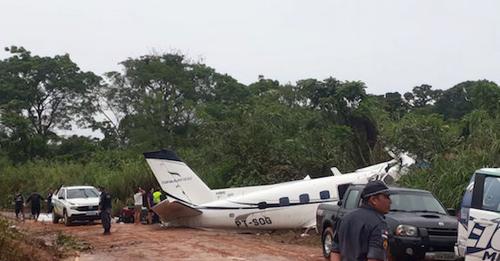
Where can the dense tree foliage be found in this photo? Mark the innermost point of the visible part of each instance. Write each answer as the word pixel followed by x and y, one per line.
pixel 38 95
pixel 232 134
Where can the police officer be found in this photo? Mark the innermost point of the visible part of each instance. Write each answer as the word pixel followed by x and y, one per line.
pixel 363 233
pixel 105 210
pixel 36 200
pixel 19 203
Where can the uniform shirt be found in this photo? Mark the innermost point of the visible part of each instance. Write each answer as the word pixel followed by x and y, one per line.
pixel 19 199
pixel 105 200
pixel 361 234
pixel 35 199
pixel 49 198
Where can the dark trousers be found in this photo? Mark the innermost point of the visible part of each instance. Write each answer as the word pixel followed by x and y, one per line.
pixel 19 209
pixel 35 211
pixel 106 220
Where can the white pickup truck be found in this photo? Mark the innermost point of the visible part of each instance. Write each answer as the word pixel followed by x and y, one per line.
pixel 75 203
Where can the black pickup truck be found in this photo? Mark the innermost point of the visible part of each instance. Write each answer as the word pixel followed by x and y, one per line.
pixel 419 226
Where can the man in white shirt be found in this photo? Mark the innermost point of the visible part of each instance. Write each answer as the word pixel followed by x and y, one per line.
pixel 138 205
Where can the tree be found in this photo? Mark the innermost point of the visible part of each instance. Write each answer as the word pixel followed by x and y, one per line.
pixel 422 96
pixel 464 97
pixel 424 135
pixel 157 96
pixel 40 94
pixel 395 105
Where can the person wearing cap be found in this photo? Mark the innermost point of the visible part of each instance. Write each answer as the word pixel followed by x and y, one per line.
pixel 363 233
pixel 105 210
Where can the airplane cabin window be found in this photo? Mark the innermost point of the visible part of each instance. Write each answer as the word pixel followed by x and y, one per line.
pixel 304 198
pixel 284 201
pixel 325 194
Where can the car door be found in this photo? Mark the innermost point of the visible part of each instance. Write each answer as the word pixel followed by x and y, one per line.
pixel 351 202
pixel 483 241
pixel 58 202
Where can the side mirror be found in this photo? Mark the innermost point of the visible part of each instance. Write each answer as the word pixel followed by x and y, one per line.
pixel 451 211
pixel 60 197
pixel 339 203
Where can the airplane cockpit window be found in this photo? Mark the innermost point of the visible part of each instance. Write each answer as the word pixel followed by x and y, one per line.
pixel 284 201
pixel 325 194
pixel 304 198
pixel 262 205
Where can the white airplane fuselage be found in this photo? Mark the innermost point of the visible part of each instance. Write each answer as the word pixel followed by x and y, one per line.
pixel 284 205
pixel 278 206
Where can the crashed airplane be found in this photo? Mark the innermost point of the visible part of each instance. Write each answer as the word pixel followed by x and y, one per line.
pixel 286 205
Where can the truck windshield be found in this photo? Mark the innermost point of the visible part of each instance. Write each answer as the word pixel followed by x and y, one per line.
pixel 83 193
pixel 416 202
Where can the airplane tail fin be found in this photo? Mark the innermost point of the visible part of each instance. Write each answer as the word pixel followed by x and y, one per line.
pixel 177 179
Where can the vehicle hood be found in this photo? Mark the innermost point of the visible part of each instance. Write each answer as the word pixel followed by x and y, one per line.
pixel 421 219
pixel 84 201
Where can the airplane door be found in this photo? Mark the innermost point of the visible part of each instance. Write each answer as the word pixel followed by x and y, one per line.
pixel 483 241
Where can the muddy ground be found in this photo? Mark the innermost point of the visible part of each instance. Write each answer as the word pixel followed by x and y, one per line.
pixel 152 242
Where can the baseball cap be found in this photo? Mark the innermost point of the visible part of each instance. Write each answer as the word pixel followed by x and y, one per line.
pixel 375 187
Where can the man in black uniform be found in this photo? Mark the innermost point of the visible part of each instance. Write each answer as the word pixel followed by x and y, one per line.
pixel 363 234
pixel 36 204
pixel 19 202
pixel 105 210
pixel 50 207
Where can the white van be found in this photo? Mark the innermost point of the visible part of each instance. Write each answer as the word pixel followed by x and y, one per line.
pixel 479 217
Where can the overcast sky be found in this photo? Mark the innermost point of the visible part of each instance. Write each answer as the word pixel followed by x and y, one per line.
pixel 391 45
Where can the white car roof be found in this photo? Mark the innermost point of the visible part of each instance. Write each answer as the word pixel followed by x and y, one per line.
pixel 79 187
pixel 490 171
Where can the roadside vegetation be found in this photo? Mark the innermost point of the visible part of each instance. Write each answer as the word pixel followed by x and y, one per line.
pixel 230 133
pixel 40 246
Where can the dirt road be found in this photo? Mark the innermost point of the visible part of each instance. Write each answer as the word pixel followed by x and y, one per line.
pixel 151 242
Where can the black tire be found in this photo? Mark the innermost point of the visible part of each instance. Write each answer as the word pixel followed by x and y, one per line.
pixel 55 218
pixel 327 240
pixel 67 220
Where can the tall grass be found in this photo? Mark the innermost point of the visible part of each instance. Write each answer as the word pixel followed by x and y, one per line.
pixel 120 176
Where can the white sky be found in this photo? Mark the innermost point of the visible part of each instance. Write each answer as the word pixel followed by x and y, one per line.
pixel 391 45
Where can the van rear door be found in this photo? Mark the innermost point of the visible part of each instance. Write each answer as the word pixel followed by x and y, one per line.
pixel 483 240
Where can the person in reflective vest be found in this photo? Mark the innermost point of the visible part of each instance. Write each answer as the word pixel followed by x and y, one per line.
pixel 157 195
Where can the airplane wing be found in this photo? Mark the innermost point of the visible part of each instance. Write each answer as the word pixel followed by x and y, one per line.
pixel 169 211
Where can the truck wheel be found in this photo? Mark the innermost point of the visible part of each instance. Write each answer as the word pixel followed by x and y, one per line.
pixel 55 218
pixel 67 220
pixel 327 239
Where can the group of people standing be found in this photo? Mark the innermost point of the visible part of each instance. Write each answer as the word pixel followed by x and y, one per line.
pixel 141 198
pixel 146 199
pixel 35 199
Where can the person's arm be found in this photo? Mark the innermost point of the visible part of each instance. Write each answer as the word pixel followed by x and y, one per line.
pixel 376 249
pixel 335 251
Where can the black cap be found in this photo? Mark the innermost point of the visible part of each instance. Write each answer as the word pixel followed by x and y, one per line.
pixel 373 188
